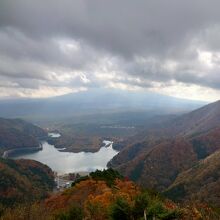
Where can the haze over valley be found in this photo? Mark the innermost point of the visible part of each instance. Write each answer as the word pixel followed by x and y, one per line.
pixel 109 110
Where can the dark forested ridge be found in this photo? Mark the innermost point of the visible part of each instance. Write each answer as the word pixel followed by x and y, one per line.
pixel 23 181
pixel 201 182
pixel 17 134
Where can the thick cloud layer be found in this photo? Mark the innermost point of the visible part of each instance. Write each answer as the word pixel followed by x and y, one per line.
pixel 52 47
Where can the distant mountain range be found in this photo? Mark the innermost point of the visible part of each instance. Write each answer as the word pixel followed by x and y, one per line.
pixel 169 156
pixel 94 101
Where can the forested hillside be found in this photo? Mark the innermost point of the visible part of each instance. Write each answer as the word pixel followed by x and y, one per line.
pixel 199 183
pixel 107 195
pixel 17 134
pixel 156 157
pixel 23 181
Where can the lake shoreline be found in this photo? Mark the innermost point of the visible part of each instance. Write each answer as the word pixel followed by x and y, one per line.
pixel 51 136
pixel 19 151
pixel 86 150
pixel 25 150
pixel 62 161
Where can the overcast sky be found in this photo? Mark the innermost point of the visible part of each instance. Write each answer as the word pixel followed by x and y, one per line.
pixel 53 47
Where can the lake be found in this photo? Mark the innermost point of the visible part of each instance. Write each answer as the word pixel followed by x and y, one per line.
pixel 68 162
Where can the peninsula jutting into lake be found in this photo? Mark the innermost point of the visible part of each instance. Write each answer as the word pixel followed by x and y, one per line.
pixel 69 162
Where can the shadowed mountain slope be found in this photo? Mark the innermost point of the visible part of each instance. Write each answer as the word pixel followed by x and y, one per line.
pixel 199 183
pixel 17 134
pixel 24 181
pixel 163 153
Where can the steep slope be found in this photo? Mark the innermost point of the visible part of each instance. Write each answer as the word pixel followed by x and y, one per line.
pixel 199 183
pixel 191 124
pixel 18 134
pixel 198 121
pixel 24 181
pixel 161 154
pixel 159 167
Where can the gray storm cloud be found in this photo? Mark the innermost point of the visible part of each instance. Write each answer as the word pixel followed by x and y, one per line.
pixel 59 46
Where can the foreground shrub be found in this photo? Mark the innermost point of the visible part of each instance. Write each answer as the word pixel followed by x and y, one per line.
pixel 74 212
pixel 121 210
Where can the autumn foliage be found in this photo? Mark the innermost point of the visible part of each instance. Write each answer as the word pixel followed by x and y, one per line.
pixel 93 198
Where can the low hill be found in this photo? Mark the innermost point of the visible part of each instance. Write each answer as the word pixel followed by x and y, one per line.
pixel 24 181
pixel 19 134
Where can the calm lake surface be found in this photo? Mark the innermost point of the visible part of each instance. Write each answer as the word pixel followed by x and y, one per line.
pixel 67 162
